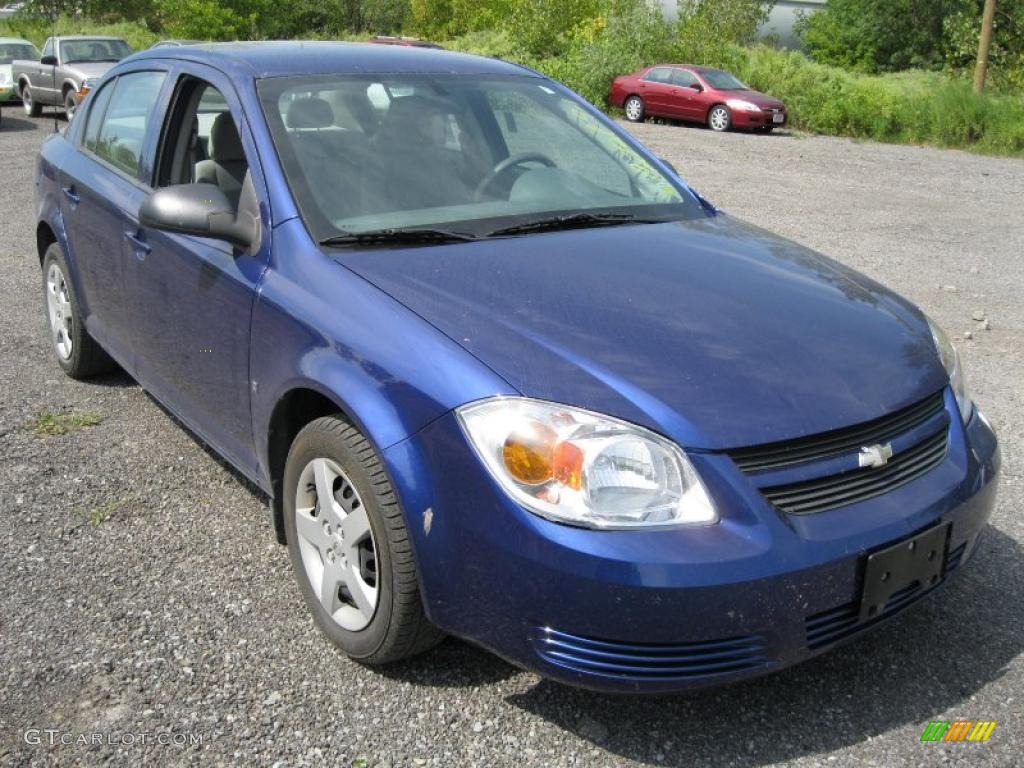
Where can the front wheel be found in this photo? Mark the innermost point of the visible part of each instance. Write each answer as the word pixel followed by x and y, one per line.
pixel 349 546
pixel 70 105
pixel 31 106
pixel 635 109
pixel 719 118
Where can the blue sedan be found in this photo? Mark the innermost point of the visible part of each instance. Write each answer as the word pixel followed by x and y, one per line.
pixel 503 374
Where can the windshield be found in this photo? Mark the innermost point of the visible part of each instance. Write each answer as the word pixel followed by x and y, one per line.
pixel 723 81
pixel 11 51
pixel 470 155
pixel 81 51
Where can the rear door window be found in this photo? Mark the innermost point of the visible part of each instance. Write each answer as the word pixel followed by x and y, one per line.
pixel 123 126
pixel 658 75
pixel 97 108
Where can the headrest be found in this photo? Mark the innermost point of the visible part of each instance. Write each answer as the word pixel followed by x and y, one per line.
pixel 224 141
pixel 310 113
pixel 405 122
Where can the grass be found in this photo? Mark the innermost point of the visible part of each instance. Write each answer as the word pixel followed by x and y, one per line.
pixel 914 107
pixel 98 515
pixel 52 424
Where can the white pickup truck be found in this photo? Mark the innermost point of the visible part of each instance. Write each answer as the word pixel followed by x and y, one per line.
pixel 67 64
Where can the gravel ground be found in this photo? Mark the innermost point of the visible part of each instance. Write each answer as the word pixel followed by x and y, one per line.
pixel 141 590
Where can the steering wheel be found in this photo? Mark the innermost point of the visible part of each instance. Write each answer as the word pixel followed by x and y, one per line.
pixel 510 162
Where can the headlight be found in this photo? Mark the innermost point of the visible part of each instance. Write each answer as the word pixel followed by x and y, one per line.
pixel 3 77
pixel 746 106
pixel 578 467
pixel 951 362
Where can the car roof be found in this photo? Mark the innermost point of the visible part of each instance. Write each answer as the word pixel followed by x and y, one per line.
pixel 88 37
pixel 16 40
pixel 691 67
pixel 282 58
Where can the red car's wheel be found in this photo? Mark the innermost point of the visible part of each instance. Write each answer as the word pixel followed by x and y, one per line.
pixel 719 118
pixel 635 109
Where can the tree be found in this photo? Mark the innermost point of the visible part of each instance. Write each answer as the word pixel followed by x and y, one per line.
pixel 879 35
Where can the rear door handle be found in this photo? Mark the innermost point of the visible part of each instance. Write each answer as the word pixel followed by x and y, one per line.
pixel 140 246
pixel 70 194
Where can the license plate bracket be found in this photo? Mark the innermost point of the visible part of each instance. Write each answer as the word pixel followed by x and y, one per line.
pixel 919 559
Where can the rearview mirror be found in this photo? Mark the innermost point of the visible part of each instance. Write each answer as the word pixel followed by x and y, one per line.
pixel 697 87
pixel 198 209
pixel 49 60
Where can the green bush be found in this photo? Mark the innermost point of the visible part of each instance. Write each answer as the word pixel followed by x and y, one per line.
pixel 37 30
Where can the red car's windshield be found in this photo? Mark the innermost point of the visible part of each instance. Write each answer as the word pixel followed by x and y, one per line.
pixel 723 81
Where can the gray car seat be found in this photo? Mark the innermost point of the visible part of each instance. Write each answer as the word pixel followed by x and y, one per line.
pixel 227 166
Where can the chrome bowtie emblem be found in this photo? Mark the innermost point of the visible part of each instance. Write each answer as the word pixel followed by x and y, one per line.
pixel 875 456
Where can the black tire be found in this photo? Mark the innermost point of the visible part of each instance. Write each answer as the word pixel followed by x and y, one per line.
pixel 635 109
pixel 399 627
pixel 70 105
pixel 87 358
pixel 719 118
pixel 32 107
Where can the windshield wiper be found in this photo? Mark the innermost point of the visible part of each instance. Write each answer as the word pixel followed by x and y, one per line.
pixel 397 236
pixel 576 221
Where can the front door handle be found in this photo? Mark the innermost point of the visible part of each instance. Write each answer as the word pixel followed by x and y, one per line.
pixel 140 246
pixel 70 194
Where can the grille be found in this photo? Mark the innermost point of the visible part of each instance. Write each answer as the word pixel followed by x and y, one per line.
pixel 836 442
pixel 835 624
pixel 649 661
pixel 833 491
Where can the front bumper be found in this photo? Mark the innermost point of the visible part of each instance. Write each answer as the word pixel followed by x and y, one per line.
pixel 9 95
pixel 762 119
pixel 673 609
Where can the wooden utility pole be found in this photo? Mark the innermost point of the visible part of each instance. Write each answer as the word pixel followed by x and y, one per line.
pixel 984 42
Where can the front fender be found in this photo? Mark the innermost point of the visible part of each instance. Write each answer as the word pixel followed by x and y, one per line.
pixel 317 325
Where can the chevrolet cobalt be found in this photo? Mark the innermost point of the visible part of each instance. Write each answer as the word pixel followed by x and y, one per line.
pixel 502 373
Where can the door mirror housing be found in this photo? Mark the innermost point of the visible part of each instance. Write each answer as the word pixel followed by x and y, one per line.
pixel 199 209
pixel 49 60
pixel 697 87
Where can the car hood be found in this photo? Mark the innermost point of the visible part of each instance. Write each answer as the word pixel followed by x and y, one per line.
pixel 713 332
pixel 756 97
pixel 89 69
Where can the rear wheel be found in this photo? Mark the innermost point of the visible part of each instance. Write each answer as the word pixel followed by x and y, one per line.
pixel 77 353
pixel 349 546
pixel 719 118
pixel 635 109
pixel 31 106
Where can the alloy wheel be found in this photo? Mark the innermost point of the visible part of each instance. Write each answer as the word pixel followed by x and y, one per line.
pixel 26 101
pixel 336 542
pixel 634 108
pixel 719 118
pixel 58 304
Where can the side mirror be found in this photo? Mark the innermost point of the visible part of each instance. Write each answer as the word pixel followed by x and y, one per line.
pixel 49 60
pixel 697 87
pixel 199 209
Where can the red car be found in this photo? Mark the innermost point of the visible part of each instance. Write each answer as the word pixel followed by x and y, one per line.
pixel 695 94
